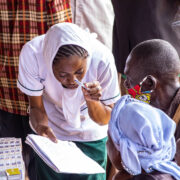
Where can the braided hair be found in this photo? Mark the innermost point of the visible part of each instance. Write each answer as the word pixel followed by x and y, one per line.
pixel 66 51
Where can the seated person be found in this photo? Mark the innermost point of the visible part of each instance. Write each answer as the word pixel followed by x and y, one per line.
pixel 153 67
pixel 141 142
pixel 49 68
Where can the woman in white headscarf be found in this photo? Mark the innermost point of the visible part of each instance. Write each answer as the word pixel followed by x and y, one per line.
pixel 49 67
pixel 141 142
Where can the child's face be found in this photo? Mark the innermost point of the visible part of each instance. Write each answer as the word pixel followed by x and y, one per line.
pixel 66 70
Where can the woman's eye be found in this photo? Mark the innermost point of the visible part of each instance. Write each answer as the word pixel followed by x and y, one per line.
pixel 79 72
pixel 62 76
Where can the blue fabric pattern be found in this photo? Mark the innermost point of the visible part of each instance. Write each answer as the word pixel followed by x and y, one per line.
pixel 144 135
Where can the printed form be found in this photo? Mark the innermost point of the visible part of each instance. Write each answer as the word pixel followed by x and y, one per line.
pixel 64 156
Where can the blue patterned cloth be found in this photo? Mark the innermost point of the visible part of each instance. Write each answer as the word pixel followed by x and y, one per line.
pixel 144 136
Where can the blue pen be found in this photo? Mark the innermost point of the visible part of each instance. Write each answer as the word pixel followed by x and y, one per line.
pixel 81 84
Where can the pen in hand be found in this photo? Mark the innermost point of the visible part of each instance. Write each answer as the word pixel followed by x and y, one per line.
pixel 81 84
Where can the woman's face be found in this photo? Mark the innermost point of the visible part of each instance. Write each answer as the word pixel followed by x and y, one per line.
pixel 66 70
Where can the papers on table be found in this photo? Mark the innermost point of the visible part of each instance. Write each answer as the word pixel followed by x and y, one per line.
pixel 64 156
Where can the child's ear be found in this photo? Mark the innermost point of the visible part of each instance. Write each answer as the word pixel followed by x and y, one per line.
pixel 149 84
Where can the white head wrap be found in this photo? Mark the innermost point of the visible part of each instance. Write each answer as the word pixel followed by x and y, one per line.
pixel 57 36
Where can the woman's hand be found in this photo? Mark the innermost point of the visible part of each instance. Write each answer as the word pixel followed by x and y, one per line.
pixel 46 131
pixel 97 110
pixel 93 91
pixel 39 119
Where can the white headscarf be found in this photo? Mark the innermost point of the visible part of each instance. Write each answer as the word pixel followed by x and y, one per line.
pixel 144 136
pixel 57 36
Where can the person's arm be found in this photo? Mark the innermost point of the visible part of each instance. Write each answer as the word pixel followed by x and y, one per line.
pixel 39 119
pixel 113 154
pixel 177 155
pixel 115 158
pixel 99 112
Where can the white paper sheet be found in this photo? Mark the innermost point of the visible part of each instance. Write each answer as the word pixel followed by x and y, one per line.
pixel 64 156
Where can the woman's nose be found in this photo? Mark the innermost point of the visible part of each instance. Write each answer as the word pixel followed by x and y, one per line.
pixel 71 79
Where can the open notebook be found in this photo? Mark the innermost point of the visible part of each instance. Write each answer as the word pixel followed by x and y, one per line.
pixel 64 156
